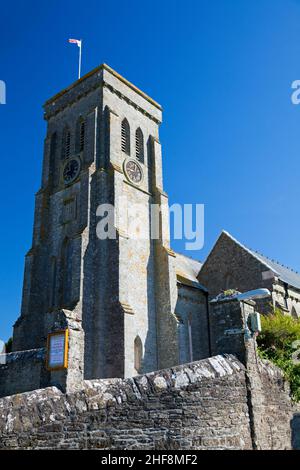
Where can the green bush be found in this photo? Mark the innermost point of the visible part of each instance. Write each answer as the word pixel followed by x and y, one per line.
pixel 8 346
pixel 276 343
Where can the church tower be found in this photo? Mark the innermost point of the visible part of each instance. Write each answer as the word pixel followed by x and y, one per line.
pixel 116 294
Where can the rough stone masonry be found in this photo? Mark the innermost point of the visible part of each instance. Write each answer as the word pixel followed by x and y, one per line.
pixel 201 405
pixel 228 401
pixel 127 307
pixel 119 298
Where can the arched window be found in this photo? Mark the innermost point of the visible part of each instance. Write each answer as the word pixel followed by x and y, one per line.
pixel 81 135
pixel 66 143
pixel 125 137
pixel 294 313
pixel 228 282
pixel 138 354
pixel 183 339
pixel 139 145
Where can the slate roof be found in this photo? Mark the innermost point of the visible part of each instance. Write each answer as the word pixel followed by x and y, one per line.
pixel 284 273
pixel 187 270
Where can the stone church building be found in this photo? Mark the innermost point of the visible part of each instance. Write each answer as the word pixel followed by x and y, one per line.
pixel 231 265
pixel 131 305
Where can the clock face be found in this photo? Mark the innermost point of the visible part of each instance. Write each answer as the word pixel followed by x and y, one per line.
pixel 133 171
pixel 71 170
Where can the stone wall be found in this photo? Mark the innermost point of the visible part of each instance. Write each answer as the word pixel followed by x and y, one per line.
pixel 227 327
pixel 202 405
pixel 271 409
pixel 22 371
pixel 270 406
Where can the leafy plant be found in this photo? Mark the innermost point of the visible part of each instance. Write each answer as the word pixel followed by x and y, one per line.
pixel 8 346
pixel 277 343
pixel 230 292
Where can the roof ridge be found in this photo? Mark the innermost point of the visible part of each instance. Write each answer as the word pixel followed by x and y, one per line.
pixel 275 261
pixel 256 252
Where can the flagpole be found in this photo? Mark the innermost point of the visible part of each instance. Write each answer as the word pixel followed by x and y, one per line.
pixel 79 67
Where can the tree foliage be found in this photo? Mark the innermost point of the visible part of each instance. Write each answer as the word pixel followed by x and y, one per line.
pixel 279 342
pixel 8 346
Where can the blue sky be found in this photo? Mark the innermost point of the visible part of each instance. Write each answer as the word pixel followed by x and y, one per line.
pixel 222 69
